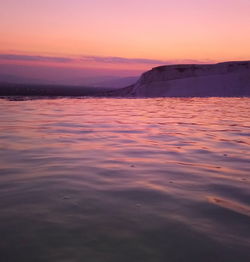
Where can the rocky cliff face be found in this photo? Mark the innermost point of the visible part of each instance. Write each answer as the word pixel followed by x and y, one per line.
pixel 223 79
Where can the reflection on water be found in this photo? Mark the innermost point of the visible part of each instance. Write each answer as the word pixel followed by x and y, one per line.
pixel 125 180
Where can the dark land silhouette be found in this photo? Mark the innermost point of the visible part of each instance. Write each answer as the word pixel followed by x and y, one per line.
pixel 228 79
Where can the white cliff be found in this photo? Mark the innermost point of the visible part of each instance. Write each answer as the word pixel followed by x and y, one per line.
pixel 223 79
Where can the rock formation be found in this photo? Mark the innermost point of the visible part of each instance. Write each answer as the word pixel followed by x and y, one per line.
pixel 223 79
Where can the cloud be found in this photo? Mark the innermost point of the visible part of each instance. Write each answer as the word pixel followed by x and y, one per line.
pixel 98 59
pixel 120 60
pixel 124 60
pixel 17 57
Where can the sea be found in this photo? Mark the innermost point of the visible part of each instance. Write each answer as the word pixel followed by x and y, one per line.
pixel 125 180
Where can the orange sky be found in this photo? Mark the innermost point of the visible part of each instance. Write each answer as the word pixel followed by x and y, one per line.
pixel 161 30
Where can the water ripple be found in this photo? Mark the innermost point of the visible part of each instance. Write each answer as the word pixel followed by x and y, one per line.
pixel 125 179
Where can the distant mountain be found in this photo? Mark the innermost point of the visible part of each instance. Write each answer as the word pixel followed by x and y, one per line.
pixel 117 82
pixel 96 81
pixel 192 80
pixel 9 78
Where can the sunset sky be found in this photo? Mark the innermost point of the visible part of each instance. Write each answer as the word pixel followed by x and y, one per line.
pixel 94 37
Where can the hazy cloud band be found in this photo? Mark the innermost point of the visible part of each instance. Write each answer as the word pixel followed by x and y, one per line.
pixel 38 58
pixel 97 59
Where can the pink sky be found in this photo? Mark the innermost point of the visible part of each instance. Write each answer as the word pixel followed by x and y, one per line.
pixel 123 35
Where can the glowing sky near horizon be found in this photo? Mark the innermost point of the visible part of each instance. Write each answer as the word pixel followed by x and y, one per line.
pixel 202 30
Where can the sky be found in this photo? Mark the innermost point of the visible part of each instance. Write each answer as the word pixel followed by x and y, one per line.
pixel 117 37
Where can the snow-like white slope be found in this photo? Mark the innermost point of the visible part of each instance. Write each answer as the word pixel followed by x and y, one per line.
pixel 223 79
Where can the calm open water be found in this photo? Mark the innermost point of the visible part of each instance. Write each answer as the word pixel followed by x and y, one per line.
pixel 133 180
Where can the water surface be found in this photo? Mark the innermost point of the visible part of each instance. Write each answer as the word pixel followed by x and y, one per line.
pixel 110 180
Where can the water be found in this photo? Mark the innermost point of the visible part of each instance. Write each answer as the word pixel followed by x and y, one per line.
pixel 125 180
